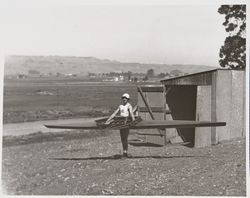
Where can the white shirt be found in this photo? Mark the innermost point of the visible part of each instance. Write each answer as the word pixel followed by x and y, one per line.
pixel 124 110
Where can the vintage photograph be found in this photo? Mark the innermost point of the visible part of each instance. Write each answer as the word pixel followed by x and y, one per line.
pixel 130 99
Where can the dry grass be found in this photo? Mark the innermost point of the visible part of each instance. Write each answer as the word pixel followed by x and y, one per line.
pixel 43 99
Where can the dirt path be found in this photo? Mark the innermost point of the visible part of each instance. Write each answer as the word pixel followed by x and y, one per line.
pixel 25 128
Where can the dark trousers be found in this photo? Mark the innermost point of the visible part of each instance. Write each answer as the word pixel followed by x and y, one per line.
pixel 124 138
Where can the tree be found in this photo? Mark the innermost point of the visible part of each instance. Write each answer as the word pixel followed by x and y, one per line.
pixel 161 75
pixel 150 73
pixel 233 52
pixel 176 72
pixel 145 78
pixel 168 74
pixel 129 75
pixel 135 79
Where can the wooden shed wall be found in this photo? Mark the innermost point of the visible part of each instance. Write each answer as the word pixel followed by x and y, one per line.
pixel 203 113
pixel 230 99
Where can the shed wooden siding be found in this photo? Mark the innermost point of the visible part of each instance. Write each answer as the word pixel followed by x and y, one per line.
pixel 230 99
pixel 238 100
pixel 194 79
pixel 153 88
pixel 203 112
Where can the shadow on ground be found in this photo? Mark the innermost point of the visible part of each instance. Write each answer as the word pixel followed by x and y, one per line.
pixel 50 136
pixel 116 157
pixel 137 142
pixel 147 144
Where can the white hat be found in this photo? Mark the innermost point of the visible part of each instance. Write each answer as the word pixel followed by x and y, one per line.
pixel 126 96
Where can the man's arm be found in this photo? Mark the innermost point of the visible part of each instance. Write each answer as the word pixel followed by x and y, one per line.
pixel 112 116
pixel 131 112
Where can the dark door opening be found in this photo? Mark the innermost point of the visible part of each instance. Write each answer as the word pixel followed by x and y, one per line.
pixel 182 103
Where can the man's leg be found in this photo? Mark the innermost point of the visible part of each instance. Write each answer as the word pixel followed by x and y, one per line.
pixel 124 138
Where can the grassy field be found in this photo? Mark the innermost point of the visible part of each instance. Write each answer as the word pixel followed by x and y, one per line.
pixel 54 98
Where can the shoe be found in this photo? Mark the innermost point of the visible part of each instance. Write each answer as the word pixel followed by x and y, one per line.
pixel 125 155
pixel 117 156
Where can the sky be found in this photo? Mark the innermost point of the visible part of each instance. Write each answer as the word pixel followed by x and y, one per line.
pixel 168 34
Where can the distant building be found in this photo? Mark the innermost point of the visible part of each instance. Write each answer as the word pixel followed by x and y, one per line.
pixel 121 78
pixel 70 75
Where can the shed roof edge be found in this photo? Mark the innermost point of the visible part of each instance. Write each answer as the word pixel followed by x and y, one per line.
pixel 193 74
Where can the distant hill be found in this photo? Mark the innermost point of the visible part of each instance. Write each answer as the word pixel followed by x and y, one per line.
pixel 82 65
